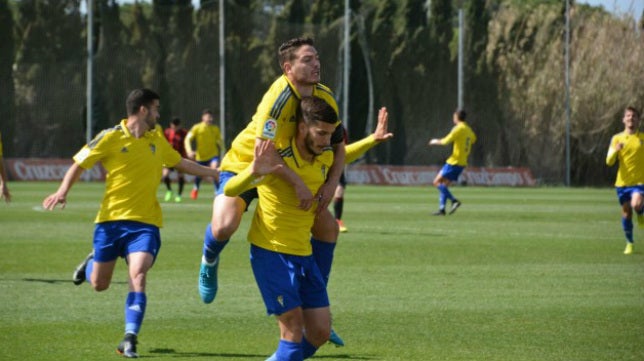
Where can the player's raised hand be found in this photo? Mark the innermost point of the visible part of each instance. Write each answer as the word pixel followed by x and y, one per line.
pixel 381 133
pixel 266 158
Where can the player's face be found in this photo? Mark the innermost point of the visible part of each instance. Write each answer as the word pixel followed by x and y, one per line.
pixel 207 118
pixel 318 137
pixel 631 120
pixel 152 115
pixel 305 67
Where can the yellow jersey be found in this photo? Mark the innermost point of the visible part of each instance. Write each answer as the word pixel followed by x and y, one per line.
pixel 463 137
pixel 631 158
pixel 274 119
pixel 278 224
pixel 208 141
pixel 134 167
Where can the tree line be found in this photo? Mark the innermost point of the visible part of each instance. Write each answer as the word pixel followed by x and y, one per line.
pixel 403 56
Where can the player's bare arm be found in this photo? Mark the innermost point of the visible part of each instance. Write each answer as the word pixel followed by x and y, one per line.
pixel 324 195
pixel 60 196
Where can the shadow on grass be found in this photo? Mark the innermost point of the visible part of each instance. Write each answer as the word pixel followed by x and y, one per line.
pixel 51 281
pixel 174 353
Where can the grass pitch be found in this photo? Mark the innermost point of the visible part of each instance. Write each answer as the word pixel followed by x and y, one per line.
pixel 516 274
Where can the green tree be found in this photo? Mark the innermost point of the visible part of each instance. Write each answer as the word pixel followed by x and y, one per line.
pixel 7 48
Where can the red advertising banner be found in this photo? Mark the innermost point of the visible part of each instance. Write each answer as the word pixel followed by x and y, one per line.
pixel 49 169
pixel 46 169
pixel 417 175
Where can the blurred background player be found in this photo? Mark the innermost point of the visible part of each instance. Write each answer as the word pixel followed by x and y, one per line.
pixel 627 148
pixel 463 137
pixel 4 187
pixel 338 196
pixel 208 146
pixel 176 135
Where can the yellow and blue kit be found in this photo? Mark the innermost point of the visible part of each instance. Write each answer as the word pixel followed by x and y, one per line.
pixel 278 224
pixel 463 137
pixel 208 140
pixel 631 158
pixel 134 168
pixel 275 119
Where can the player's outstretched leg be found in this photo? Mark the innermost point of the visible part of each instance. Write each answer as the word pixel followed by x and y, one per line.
pixel 209 265
pixel 79 275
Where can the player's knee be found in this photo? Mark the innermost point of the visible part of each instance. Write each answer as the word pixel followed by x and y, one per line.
pixel 100 285
pixel 224 230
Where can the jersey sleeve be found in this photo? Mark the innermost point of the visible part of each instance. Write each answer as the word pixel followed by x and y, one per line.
pixel 611 156
pixel 449 138
pixel 94 151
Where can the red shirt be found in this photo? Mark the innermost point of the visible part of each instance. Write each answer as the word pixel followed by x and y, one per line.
pixel 176 137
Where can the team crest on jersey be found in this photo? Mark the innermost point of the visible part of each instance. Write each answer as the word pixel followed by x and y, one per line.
pixel 270 128
pixel 153 148
pixel 124 150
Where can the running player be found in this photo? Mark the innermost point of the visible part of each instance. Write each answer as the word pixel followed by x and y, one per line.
pixel 176 135
pixel 4 188
pixel 128 221
pixel 209 146
pixel 463 137
pixel 627 148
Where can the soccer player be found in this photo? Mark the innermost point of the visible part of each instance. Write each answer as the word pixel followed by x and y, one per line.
pixel 338 196
pixel 288 277
pixel 275 120
pixel 128 221
pixel 4 188
pixel 209 146
pixel 627 148
pixel 176 135
pixel 462 137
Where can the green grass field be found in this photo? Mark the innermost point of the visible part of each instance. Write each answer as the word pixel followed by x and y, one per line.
pixel 516 274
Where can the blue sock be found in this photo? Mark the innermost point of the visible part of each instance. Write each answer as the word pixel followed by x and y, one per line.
pixel 323 255
pixel 627 225
pixel 88 270
pixel 442 196
pixel 288 351
pixel 134 311
pixel 308 350
pixel 212 247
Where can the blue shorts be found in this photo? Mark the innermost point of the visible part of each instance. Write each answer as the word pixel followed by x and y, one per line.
pixel 451 172
pixel 120 238
pixel 287 281
pixel 624 194
pixel 247 196
pixel 207 163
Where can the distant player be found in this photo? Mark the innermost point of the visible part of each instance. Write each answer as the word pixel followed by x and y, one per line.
pixel 338 196
pixel 176 135
pixel 627 148
pixel 4 188
pixel 209 146
pixel 462 137
pixel 127 225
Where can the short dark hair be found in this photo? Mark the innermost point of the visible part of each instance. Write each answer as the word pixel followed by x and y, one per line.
pixel 286 51
pixel 176 121
pixel 206 111
pixel 138 98
pixel 634 110
pixel 313 110
pixel 461 114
